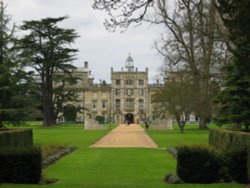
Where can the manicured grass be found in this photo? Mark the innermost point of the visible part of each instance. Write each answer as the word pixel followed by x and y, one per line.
pixel 73 135
pixel 172 138
pixel 113 167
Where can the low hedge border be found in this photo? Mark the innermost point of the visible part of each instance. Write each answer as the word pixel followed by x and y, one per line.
pixel 16 138
pixel 54 158
pixel 229 140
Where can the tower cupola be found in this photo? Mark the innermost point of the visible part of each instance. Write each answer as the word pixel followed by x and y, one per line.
pixel 129 64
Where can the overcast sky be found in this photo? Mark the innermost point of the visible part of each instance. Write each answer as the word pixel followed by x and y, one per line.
pixel 100 48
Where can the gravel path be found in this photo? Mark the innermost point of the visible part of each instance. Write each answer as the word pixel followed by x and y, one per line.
pixel 126 136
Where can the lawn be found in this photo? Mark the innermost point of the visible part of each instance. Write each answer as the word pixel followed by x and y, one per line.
pixel 192 135
pixel 72 135
pixel 113 167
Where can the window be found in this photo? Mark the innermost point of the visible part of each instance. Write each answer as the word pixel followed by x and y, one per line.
pixel 117 104
pixel 129 92
pixel 94 105
pixel 117 92
pixel 104 104
pixel 104 95
pixel 129 104
pixel 141 82
pixel 129 82
pixel 141 104
pixel 117 82
pixel 141 92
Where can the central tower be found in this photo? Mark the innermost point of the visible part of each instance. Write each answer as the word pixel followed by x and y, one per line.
pixel 129 93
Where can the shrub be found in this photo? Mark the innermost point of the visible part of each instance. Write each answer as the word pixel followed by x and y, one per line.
pixel 199 164
pixel 237 165
pixel 20 165
pixel 100 119
pixel 70 112
pixel 16 138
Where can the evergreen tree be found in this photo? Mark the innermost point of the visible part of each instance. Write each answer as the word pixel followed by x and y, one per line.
pixel 235 96
pixel 15 84
pixel 45 47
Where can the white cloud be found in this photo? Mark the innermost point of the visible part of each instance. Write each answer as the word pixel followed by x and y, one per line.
pixel 102 49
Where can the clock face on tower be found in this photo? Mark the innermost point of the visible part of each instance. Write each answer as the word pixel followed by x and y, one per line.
pixel 129 64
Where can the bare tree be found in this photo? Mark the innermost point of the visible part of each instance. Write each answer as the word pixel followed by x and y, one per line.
pixel 175 98
pixel 192 40
pixel 194 43
pixel 123 13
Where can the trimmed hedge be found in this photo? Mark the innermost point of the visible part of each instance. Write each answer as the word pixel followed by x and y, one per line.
pixel 237 166
pixel 16 138
pixel 236 146
pixel 20 165
pixel 199 164
pixel 229 140
pixel 248 163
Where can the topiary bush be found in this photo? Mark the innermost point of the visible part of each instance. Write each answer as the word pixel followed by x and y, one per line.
pixel 20 165
pixel 199 164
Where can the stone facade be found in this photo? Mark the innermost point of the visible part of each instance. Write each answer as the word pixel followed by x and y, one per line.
pixel 127 99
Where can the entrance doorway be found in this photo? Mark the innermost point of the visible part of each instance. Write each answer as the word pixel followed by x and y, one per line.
pixel 129 118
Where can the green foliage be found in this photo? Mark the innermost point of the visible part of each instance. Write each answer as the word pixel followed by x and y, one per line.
pixel 100 119
pixel 20 165
pixel 235 96
pixel 69 112
pixel 16 138
pixel 237 165
pixel 46 49
pixel 229 140
pixel 199 164
pixel 15 83
pixel 236 18
pixel 234 99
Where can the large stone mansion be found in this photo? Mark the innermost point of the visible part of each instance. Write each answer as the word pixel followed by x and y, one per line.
pixel 127 98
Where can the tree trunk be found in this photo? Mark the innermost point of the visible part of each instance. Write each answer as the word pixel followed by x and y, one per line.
pixel 48 120
pixel 202 123
pixel 181 125
pixel 181 129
